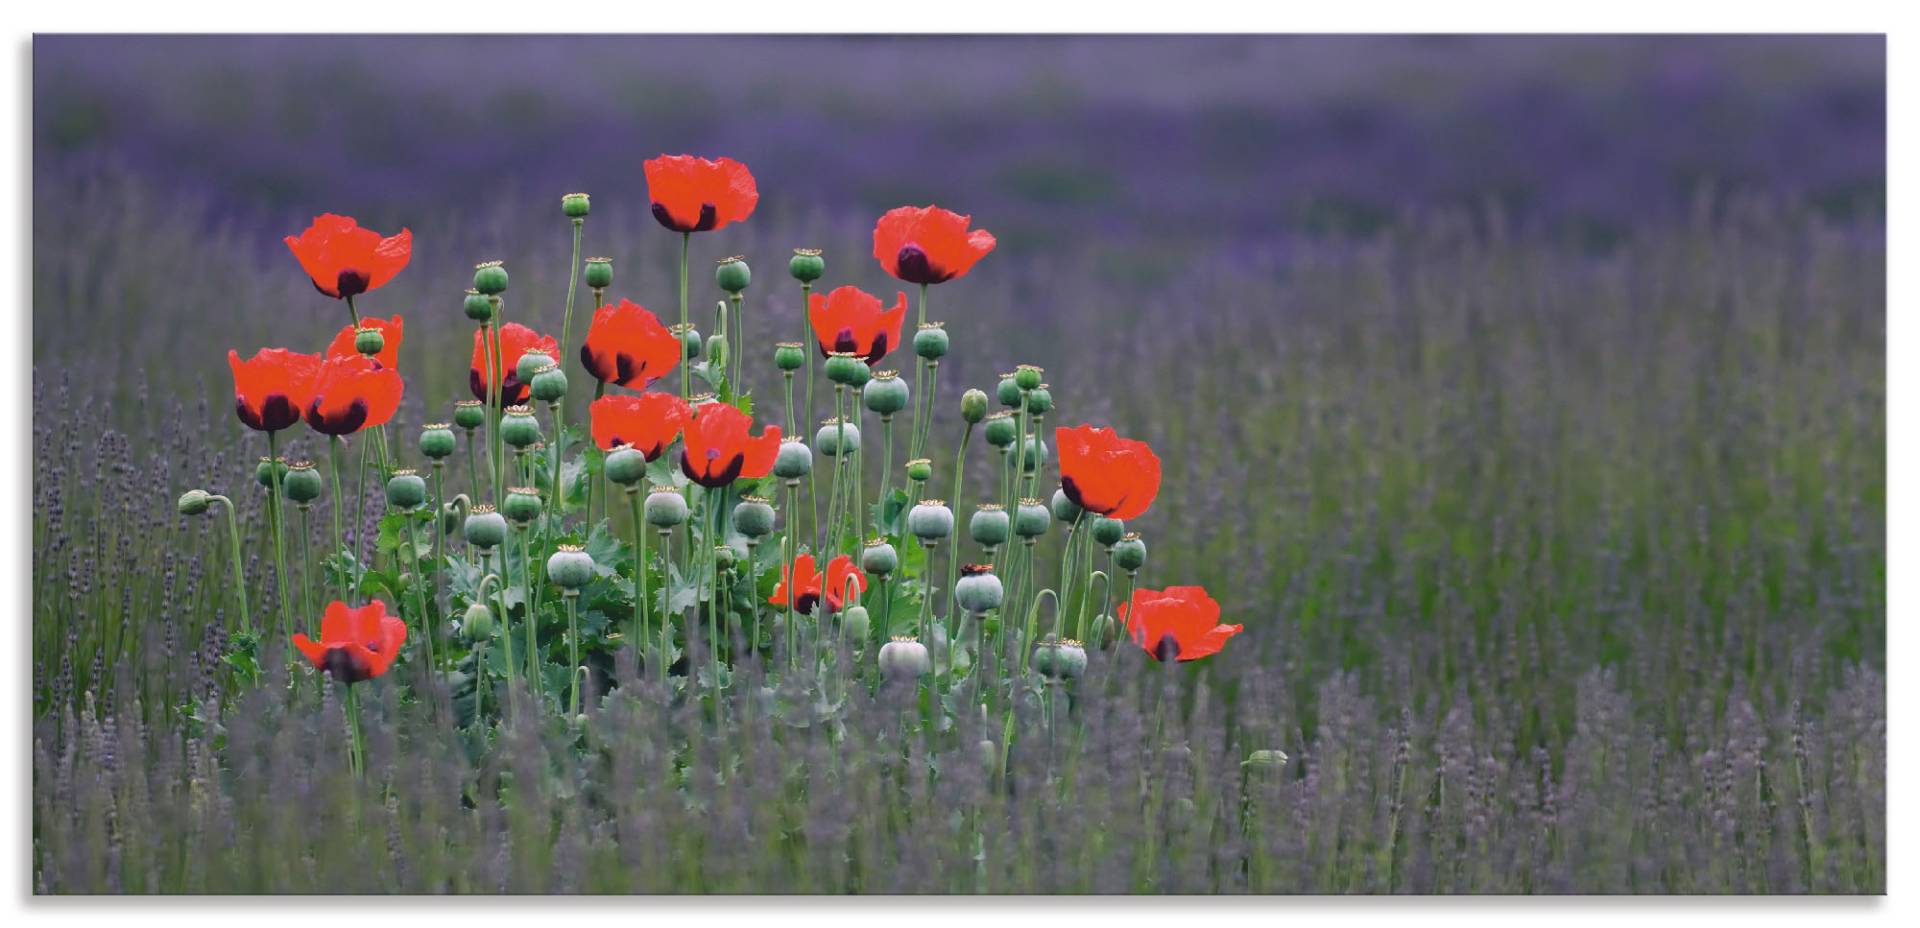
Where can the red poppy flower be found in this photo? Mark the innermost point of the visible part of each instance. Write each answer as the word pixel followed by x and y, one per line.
pixel 351 393
pixel 271 388
pixel 628 346
pixel 395 331
pixel 717 449
pixel 345 260
pixel 648 422
pixel 355 644
pixel 1182 622
pixel 1104 473
pixel 927 244
pixel 850 319
pixel 515 340
pixel 803 583
pixel 696 195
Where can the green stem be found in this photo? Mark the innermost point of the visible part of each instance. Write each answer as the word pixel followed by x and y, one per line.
pixel 686 242
pixel 274 520
pixel 886 459
pixel 419 587
pixel 306 563
pixel 959 485
pixel 788 552
pixel 573 650
pixel 357 749
pixel 355 313
pixel 506 615
pixel 339 534
pixel 533 618
pixel 239 573
pixel 360 523
pixel 573 282
pixel 666 615
pixel 639 579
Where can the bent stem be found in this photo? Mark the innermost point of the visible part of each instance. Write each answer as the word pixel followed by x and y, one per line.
pixel 239 574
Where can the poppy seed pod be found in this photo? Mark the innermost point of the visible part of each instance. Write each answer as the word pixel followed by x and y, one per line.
pixel 195 502
pixel 978 590
pixel 859 375
pixel 302 483
pixel 522 504
pixel 806 265
pixel 690 340
pixel 1064 509
pixel 1129 553
pixel 490 278
pixel 484 527
pixel 973 406
pixel 1008 392
pixel 1035 456
pixel 990 525
pixel 854 623
pixel 1062 659
pixel 369 341
pixel 732 274
pixel 879 558
pixel 1039 400
pixel 794 461
pixel 920 469
pixel 789 356
pixel 549 384
pixel 405 490
pixel 1108 532
pixel 835 435
pixel 477 307
pixel 930 342
pixel 519 429
pixel 1002 430
pixel 268 470
pixel 844 366
pixel 530 363
pixel 436 440
pixel 930 520
pixel 476 624
pixel 468 414
pixel 570 567
pixel 885 394
pixel 626 466
pixel 1027 377
pixel 753 517
pixel 1032 519
pixel 904 658
pixel 665 508
pixel 599 273
pixel 575 205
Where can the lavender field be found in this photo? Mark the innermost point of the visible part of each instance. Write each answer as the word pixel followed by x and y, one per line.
pixel 1524 399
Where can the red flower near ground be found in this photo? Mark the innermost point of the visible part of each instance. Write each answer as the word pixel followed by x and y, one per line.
pixel 927 244
pixel 648 422
pixel 345 260
pixel 803 584
pixel 271 388
pixel 692 194
pixel 1104 473
pixel 850 319
pixel 515 340
pixel 628 346
pixel 353 392
pixel 718 449
pixel 355 644
pixel 394 331
pixel 1180 622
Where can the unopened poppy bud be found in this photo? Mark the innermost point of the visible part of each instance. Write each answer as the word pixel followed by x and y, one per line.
pixel 690 340
pixel 369 341
pixel 930 520
pixel 886 393
pixel 732 274
pixel 1027 377
pixel 1039 400
pixel 530 364
pixel 844 366
pixel 789 356
pixel 490 278
pixel 436 440
pixel 1031 520
pixel 753 517
pixel 835 435
pixel 973 406
pixel 575 205
pixel 477 307
pixel 904 658
pixel 1002 430
pixel 570 567
pixel 920 469
pixel 522 504
pixel 519 429
pixel 1108 532
pixel 806 265
pixel 1129 553
pixel 724 556
pixel 1036 454
pixel 990 525
pixel 988 753
pixel 1105 631
pixel 854 623
pixel 549 384
pixel 978 590
pixel 405 490
pixel 1266 760
pixel 879 558
pixel 1008 392
pixel 269 470
pixel 717 350
pixel 626 466
pixel 195 502
pixel 302 483
pixel 1063 508
pixel 469 414
pixel 794 461
pixel 665 508
pixel 930 342
pixel 476 624
pixel 599 273
pixel 484 527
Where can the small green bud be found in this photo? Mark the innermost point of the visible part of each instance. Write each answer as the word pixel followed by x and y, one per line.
pixel 484 527
pixel 549 384
pixel 930 520
pixel 490 278
pixel 753 517
pixel 855 624
pixel 1064 508
pixel 1027 377
pixel 665 508
pixel 835 435
pixel 886 393
pixel 1002 429
pixel 844 367
pixel 979 591
pixel 575 205
pixel 599 273
pixel 724 556
pixel 920 469
pixel 1105 631
pixel 930 342
pixel 626 466
pixel 195 502
pixel 973 406
pixel 369 341
pixel 519 429
pixel 732 274
pixel 1129 553
pixel 794 461
pixel 1039 400
pixel 806 265
pixel 1008 392
pixel 522 504
pixel 789 356
pixel 879 558
pixel 302 483
pixel 469 414
pixel 476 624
pixel 1107 531
pixel 990 525
pixel 406 490
pixel 268 470
pixel 717 350
pixel 478 307
pixel 530 363
pixel 904 658
pixel 570 567
pixel 1266 760
pixel 1031 520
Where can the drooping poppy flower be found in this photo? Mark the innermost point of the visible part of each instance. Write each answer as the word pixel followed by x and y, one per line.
pixel 272 388
pixel 850 319
pixel 393 330
pixel 717 448
pixel 1104 473
pixel 515 340
pixel 803 584
pixel 345 260
pixel 692 194
pixel 927 244
pixel 648 422
pixel 1179 622
pixel 355 644
pixel 353 392
pixel 628 346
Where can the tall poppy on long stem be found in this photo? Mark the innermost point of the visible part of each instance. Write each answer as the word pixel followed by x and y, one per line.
pixel 1177 623
pixel 927 244
pixel 850 319
pixel 513 341
pixel 689 195
pixel 1106 474
pixel 271 389
pixel 628 346
pixel 392 332
pixel 345 260
pixel 718 446
pixel 648 423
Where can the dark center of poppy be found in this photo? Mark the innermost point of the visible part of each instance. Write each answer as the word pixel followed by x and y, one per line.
pixel 912 265
pixel 1167 649
pixel 345 666
pixel 351 282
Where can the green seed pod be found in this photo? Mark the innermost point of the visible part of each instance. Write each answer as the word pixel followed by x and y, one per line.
pixel 844 366
pixel 519 429
pixel 855 624
pixel 530 363
pixel 753 517
pixel 920 469
pixel 476 624
pixel 930 342
pixel 268 470
pixel 522 504
pixel 886 393
pixel 859 375
pixel 1266 760
pixel 1008 392
pixel 789 356
pixel 1064 508
pixel 1027 377
pixel 575 205
pixel 1032 519
pixel 717 350
pixel 990 525
pixel 973 406
pixel 478 307
pixel 724 556
pixel 436 440
pixel 732 274
pixel 469 414
pixel 626 466
pixel 806 265
pixel 904 658
pixel 599 273
pixel 406 490
pixel 690 340
pixel 1129 553
pixel 879 558
pixel 490 278
pixel 195 502
pixel 1060 659
pixel 665 508
pixel 835 435
pixel 979 591
pixel 1002 429
pixel 930 520
pixel 1039 400
pixel 484 527
pixel 1036 454
pixel 570 567
pixel 549 384
pixel 794 461
pixel 369 341
pixel 302 483
pixel 1108 532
